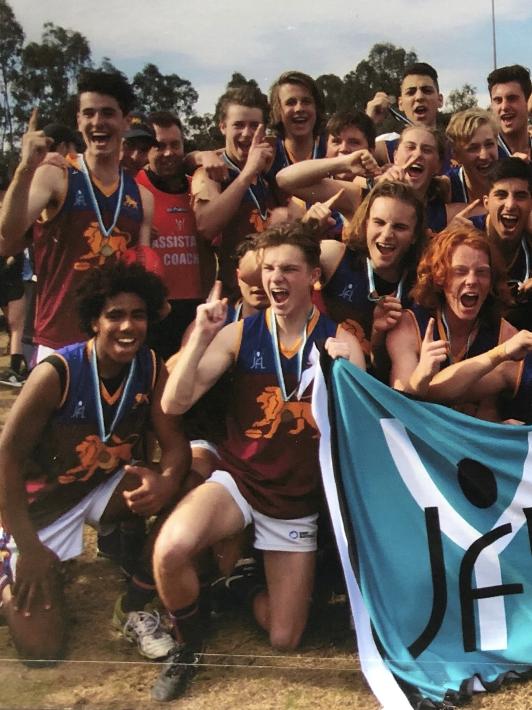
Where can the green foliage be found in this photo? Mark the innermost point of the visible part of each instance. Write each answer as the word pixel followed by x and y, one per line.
pixel 238 79
pixel 11 42
pixel 461 99
pixel 47 77
pixel 381 71
pixel 203 133
pixel 156 91
pixel 332 88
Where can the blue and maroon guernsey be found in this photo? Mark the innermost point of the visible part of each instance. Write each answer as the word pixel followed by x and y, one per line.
pixel 271 447
pixel 70 244
pixel 71 459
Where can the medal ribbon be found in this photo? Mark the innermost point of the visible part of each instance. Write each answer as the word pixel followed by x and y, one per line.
pixel 106 435
pixel 234 166
pixel 106 232
pixel 371 285
pixel 277 356
pixel 445 334
pixel 506 148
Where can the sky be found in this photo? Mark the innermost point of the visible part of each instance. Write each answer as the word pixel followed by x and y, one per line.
pixel 206 41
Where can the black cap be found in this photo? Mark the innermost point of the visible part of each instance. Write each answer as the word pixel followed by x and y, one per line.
pixel 139 127
pixel 59 133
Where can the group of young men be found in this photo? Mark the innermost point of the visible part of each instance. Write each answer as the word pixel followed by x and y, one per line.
pixel 78 445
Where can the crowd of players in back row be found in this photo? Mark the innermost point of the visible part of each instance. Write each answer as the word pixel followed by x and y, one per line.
pixel 408 254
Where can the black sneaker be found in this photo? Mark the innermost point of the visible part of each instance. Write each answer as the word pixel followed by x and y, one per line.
pixel 11 378
pixel 178 671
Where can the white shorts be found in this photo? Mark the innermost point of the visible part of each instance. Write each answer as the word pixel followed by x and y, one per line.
pixel 43 351
pixel 204 444
pixel 295 535
pixel 65 535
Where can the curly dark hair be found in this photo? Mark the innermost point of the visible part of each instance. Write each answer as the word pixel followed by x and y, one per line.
pixel 113 84
pixel 112 279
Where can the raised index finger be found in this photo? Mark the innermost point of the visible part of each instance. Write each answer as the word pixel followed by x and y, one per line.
pixel 259 134
pixel 332 200
pixel 429 337
pixel 411 160
pixel 469 208
pixel 216 292
pixel 33 122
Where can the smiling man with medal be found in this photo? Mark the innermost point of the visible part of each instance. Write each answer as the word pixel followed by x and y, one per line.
pixel 268 469
pixel 85 212
pixel 71 453
pixel 229 210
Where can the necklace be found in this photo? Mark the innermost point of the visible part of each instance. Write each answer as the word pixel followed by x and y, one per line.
pixel 289 158
pixel 105 435
pixel 446 335
pixel 106 249
pixel 263 212
pixel 277 356
pixel 506 148
pixel 373 296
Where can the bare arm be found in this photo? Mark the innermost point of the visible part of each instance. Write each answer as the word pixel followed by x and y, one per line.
pixel 212 207
pixel 482 376
pixel 159 489
pixel 347 346
pixel 147 208
pixel 32 189
pixel 310 179
pixel 413 366
pixel 24 427
pixel 209 352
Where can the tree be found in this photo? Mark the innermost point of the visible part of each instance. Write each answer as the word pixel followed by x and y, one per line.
pixel 11 41
pixel 381 71
pixel 107 65
pixel 461 99
pixel 203 133
pixel 331 86
pixel 48 74
pixel 238 79
pixel 156 91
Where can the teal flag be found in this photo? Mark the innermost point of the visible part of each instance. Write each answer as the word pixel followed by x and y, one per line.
pixel 432 511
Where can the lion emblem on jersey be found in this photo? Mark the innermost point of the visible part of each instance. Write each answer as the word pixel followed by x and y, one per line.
pixel 276 410
pixel 93 454
pixel 101 248
pixel 256 221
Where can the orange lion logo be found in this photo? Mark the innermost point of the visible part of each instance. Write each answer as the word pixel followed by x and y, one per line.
pixel 256 221
pixel 130 202
pixel 101 248
pixel 94 454
pixel 276 410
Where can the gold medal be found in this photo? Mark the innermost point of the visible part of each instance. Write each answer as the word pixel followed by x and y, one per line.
pixel 106 249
